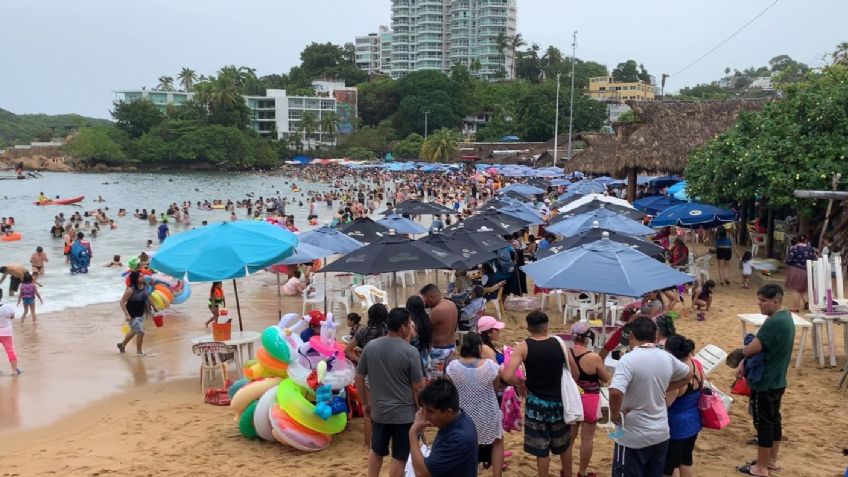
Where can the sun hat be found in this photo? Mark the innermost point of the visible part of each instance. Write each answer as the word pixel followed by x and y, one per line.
pixel 486 323
pixel 580 328
pixel 315 317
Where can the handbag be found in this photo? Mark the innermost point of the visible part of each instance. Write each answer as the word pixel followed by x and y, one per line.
pixel 712 411
pixel 740 387
pixel 572 403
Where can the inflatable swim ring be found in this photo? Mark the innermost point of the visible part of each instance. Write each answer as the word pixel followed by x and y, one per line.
pixel 274 342
pixel 261 422
pixel 288 431
pixel 158 300
pixel 295 189
pixel 342 374
pixel 218 206
pixel 258 371
pixel 12 237
pixel 183 295
pixel 251 392
pixel 161 288
pixel 246 421
pixel 292 400
pixel 269 362
pixel 233 389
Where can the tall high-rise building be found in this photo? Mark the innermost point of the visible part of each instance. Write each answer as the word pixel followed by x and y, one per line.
pixel 437 34
pixel 373 51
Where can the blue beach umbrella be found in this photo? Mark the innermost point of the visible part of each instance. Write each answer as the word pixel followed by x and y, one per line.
pixel 531 216
pixel 681 195
pixel 655 204
pixel 604 266
pixel 693 215
pixel 523 189
pixel 672 189
pixel 605 219
pixel 561 182
pixel 224 251
pixel 330 239
pixel 604 180
pixel 402 225
pixel 305 253
pixel 665 181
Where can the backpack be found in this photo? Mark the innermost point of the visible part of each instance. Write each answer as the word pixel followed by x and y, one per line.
pixel 27 291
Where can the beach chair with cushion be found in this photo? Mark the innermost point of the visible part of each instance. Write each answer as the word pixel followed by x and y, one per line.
pixel 214 355
pixel 710 357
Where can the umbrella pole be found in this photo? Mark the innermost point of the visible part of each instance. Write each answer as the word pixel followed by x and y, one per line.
pixel 395 287
pixel 604 319
pixel 325 285
pixel 279 298
pixel 238 305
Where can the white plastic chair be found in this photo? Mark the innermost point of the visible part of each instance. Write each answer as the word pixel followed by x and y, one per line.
pixel 371 294
pixel 710 357
pixel 312 295
pixel 581 307
pixel 605 405
pixel 703 266
pixel 214 355
pixel 756 241
pixel 557 294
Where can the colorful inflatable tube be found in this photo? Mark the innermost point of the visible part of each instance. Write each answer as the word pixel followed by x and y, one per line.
pixel 292 400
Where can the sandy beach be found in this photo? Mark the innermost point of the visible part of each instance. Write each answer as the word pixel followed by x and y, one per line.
pixel 82 409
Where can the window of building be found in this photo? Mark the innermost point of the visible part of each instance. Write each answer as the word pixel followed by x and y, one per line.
pixel 295 114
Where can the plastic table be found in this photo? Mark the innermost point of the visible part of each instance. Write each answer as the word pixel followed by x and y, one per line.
pixel 757 320
pixel 242 340
pixel 829 318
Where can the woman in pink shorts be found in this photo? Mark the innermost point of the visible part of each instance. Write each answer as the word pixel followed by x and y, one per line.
pixel 7 314
pixel 592 374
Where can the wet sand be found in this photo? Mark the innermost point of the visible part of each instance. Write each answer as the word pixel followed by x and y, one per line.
pixel 83 409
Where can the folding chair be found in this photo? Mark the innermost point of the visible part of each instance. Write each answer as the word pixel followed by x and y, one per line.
pixel 710 357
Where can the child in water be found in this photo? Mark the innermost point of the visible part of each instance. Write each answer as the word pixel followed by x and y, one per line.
pixel 28 294
pixel 116 262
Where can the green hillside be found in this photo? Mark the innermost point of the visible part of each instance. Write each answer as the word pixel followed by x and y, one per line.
pixel 24 128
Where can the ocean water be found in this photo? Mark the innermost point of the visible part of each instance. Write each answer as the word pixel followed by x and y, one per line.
pixel 130 191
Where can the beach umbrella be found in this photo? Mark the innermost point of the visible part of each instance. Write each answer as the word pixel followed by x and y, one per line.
pixel 493 220
pixel 471 254
pixel 391 254
pixel 561 182
pixel 416 207
pixel 364 229
pixel 330 239
pixel 596 233
pixel 665 181
pixel 527 214
pixel 655 204
pixel 603 180
pixel 604 218
pixel 523 189
pixel 628 212
pixel 586 186
pixel 693 215
pixel 402 225
pixel 681 195
pixel 574 202
pixel 489 241
pixel 676 188
pixel 605 267
pixel 224 251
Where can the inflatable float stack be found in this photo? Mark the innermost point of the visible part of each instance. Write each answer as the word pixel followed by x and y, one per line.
pixel 290 392
pixel 163 290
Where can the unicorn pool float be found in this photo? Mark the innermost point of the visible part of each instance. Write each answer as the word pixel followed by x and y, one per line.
pixel 290 392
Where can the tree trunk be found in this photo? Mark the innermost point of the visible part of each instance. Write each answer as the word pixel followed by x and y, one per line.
pixel 631 185
pixel 770 233
pixel 742 231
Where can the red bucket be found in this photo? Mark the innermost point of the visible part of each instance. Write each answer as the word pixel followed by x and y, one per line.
pixel 158 321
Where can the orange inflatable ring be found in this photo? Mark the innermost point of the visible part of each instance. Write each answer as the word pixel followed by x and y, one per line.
pixel 14 236
pixel 269 362
pixel 161 288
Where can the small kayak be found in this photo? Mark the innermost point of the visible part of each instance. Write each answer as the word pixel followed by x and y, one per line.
pixel 72 200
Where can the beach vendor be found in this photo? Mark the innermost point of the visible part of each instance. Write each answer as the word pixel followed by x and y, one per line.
pixel 134 303
pixel 80 254
pixel 216 301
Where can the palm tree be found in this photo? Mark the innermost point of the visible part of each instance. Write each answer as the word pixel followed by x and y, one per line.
pixel 187 78
pixel 502 43
pixel 166 83
pixel 440 146
pixel 328 125
pixel 841 54
pixel 516 42
pixel 308 125
pixel 551 61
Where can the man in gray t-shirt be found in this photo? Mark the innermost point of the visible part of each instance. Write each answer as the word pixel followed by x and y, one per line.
pixel 638 389
pixel 393 368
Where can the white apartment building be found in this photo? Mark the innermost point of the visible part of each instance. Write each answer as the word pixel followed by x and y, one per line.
pixel 436 34
pixel 374 51
pixel 278 115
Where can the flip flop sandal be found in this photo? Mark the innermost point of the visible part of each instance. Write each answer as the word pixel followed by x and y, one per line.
pixel 121 347
pixel 746 469
pixel 771 468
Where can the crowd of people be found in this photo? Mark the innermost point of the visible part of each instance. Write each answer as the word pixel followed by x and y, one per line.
pixel 653 399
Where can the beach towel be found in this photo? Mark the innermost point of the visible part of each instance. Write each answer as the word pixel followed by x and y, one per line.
pixel 80 256
pixel 755 364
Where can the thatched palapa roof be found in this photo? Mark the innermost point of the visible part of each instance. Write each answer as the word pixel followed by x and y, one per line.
pixel 661 139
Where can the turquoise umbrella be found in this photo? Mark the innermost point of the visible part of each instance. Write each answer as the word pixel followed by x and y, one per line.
pixel 224 251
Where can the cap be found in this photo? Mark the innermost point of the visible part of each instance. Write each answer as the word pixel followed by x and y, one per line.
pixel 579 328
pixel 315 317
pixel 486 323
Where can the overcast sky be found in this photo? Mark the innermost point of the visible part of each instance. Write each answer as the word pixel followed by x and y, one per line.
pixel 63 56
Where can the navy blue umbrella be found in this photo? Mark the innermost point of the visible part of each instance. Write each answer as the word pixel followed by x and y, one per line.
pixel 655 204
pixel 693 215
pixel 604 218
pixel 365 230
pixel 402 225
